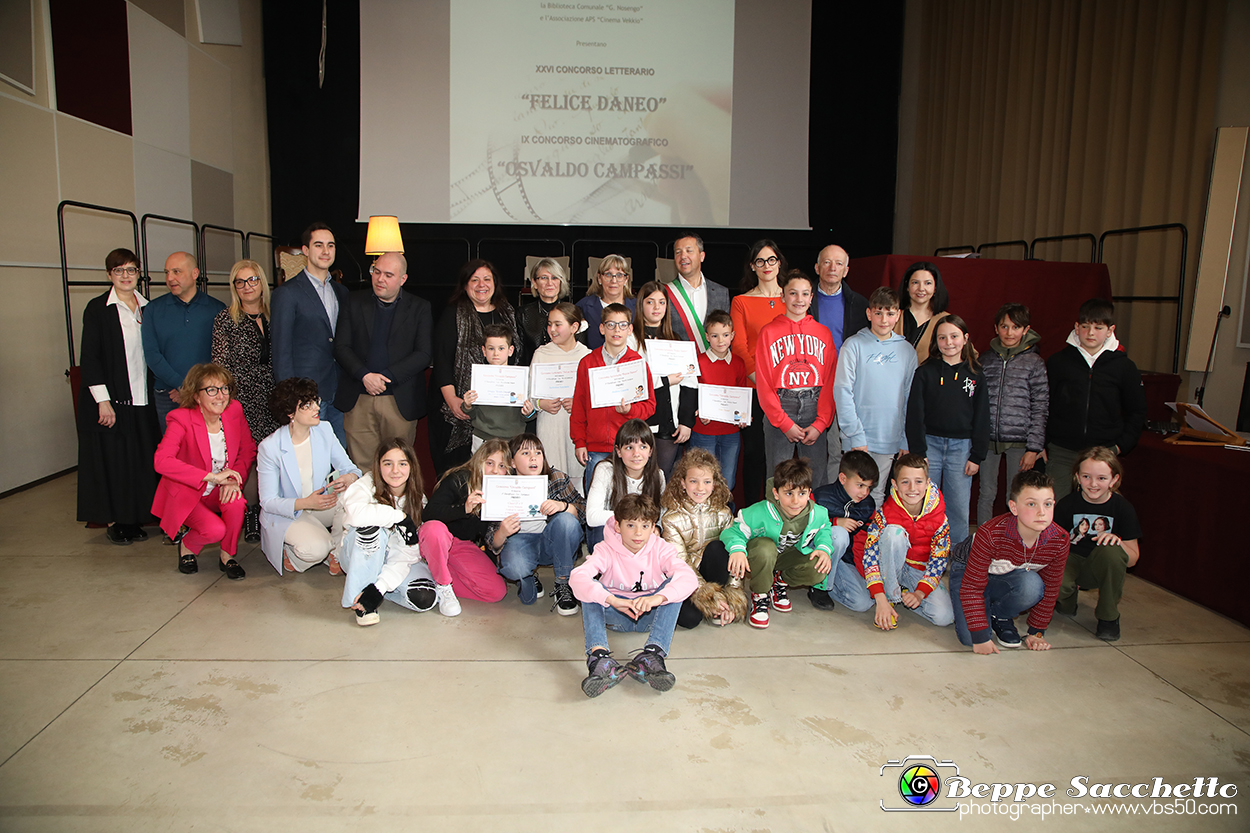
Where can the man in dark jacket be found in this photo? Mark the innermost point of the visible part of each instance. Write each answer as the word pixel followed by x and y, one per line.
pixel 1096 394
pixel 383 348
pixel 845 312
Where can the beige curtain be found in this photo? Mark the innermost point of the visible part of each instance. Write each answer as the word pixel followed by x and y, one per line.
pixel 1028 119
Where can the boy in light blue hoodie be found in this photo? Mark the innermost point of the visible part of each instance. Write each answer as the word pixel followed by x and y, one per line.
pixel 870 387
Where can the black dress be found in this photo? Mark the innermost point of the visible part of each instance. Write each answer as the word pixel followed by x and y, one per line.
pixel 243 348
pixel 116 480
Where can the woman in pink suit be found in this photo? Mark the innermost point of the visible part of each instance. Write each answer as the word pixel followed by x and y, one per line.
pixel 203 460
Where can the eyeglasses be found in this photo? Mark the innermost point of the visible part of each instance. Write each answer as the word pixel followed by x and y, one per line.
pixel 760 262
pixel 214 390
pixel 239 283
pixel 315 405
pixel 124 271
pixel 375 271
pixel 617 325
pixel 614 276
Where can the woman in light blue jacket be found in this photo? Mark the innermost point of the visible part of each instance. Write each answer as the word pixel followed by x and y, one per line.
pixel 302 470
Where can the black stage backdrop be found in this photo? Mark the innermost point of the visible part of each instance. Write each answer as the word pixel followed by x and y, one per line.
pixel 314 151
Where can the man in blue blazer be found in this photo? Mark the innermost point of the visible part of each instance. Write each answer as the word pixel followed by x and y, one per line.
pixel 383 347
pixel 692 296
pixel 304 313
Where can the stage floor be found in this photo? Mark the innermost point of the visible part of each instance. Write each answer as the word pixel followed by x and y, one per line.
pixel 135 698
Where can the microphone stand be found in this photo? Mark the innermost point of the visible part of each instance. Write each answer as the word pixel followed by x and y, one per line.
pixel 1225 311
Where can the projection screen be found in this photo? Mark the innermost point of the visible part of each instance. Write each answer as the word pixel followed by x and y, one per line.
pixel 686 112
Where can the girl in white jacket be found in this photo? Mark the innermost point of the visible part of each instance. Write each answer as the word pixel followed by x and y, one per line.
pixel 381 552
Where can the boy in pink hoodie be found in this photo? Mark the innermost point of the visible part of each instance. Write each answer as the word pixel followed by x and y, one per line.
pixel 634 581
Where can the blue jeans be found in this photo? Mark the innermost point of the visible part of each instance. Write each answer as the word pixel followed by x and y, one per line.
pixel 947 458
pixel 724 447
pixel 848 588
pixel 164 405
pixel 334 416
pixel 659 622
pixel 556 546
pixel 594 459
pixel 897 575
pixel 841 542
pixel 1006 596
pixel 801 407
pixel 362 557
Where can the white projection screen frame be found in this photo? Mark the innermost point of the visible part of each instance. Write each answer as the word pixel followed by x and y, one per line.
pixel 567 113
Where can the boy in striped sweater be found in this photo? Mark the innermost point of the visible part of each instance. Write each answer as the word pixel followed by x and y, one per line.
pixel 1014 563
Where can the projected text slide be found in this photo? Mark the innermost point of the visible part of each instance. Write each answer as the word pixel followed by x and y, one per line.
pixel 591 113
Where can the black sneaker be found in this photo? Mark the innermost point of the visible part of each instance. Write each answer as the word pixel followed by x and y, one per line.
pixel 563 601
pixel 538 588
pixel 1108 631
pixel 647 666
pixel 117 535
pixel 1005 632
pixel 820 599
pixel 605 672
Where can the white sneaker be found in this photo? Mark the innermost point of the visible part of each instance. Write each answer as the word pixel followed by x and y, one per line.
pixel 365 619
pixel 448 604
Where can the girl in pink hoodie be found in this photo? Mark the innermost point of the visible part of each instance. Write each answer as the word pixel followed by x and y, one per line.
pixel 634 581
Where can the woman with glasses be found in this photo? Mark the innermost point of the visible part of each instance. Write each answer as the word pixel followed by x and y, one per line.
pixel 612 284
pixel 241 344
pixel 203 459
pixel 759 303
pixel 477 302
pixel 117 428
pixel 549 283
pixel 303 470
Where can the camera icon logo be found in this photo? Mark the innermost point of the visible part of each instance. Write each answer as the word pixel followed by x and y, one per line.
pixel 917 783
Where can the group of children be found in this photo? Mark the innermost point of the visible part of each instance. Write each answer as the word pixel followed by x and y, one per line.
pixel 665 546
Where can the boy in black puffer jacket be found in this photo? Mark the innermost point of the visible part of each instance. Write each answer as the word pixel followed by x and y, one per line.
pixel 1015 378
pixel 1096 395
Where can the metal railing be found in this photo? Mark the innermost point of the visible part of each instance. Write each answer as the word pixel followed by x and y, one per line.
pixel 1093 243
pixel 66 283
pixel 1021 243
pixel 143 231
pixel 203 283
pixel 1178 298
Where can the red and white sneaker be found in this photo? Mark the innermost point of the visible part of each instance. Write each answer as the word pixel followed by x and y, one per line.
pixel 780 594
pixel 759 610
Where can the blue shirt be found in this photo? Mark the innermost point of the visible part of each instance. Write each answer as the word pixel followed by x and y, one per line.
pixel 328 299
pixel 177 336
pixel 831 311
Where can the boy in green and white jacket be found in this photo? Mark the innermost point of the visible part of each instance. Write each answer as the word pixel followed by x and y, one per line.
pixel 780 541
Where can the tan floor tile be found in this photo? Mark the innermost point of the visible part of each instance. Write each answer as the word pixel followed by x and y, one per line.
pixel 33 693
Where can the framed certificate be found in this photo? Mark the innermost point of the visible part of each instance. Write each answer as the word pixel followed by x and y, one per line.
pixel 554 380
pixel 609 385
pixel 724 403
pixel 669 357
pixel 499 384
pixel 504 496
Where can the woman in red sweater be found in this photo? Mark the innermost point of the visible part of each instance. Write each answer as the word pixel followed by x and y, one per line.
pixel 794 364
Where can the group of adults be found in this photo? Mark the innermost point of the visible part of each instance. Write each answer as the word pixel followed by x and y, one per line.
pixel 168 385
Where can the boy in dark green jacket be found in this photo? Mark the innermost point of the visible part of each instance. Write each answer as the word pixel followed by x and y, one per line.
pixel 780 541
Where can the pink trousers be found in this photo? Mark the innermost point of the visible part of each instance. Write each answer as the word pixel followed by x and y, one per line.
pixel 470 571
pixel 212 521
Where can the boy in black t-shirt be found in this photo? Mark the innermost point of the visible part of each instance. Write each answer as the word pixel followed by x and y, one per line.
pixel 1105 536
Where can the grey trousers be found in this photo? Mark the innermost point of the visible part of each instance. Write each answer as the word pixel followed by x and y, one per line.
pixel 989 480
pixel 800 406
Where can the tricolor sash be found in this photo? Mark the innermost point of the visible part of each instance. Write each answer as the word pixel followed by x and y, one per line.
pixel 689 318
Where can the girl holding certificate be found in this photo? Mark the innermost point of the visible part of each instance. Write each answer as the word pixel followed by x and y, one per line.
pixel 563 324
pixel 552 539
pixel 676 395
